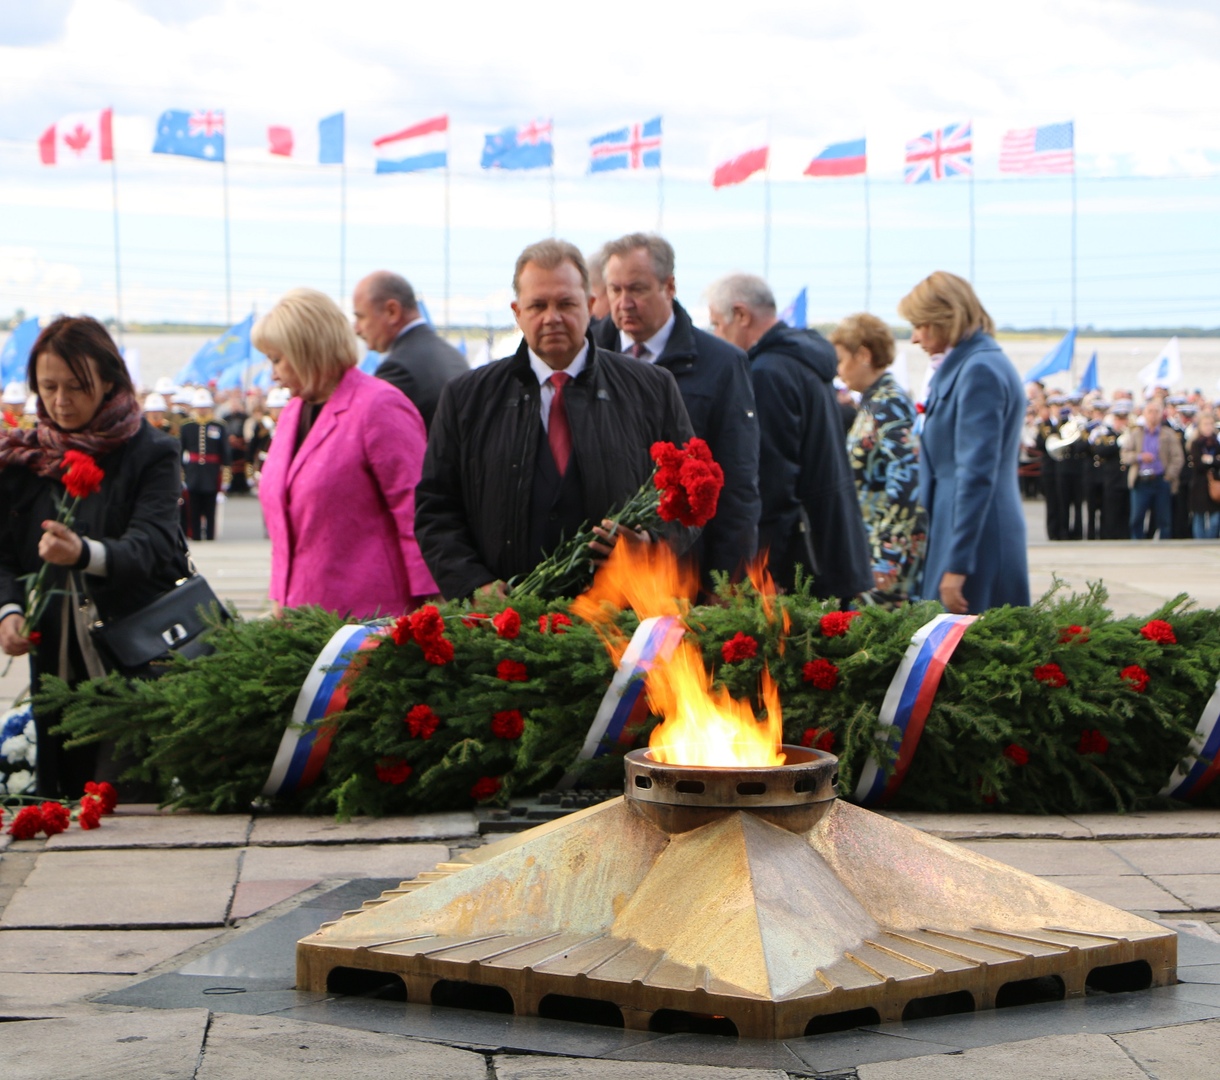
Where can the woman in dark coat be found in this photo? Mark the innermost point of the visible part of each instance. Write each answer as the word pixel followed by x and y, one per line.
pixel 969 449
pixel 122 549
pixel 1205 461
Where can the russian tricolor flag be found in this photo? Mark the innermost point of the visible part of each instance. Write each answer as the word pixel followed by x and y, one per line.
pixel 422 146
pixel 839 159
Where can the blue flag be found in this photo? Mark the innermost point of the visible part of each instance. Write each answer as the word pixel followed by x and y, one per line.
pixel 199 134
pixel 1058 359
pixel 371 362
pixel 220 353
pixel 15 356
pixel 796 313
pixel 331 140
pixel 527 147
pixel 1089 380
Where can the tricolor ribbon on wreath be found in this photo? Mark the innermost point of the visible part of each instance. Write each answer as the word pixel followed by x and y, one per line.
pixel 625 705
pixel 907 704
pixel 306 741
pixel 1202 762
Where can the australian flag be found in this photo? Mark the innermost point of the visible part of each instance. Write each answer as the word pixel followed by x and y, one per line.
pixel 199 134
pixel 527 147
pixel 637 146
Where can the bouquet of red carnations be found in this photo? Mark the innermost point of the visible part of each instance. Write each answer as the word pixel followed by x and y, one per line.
pixel 684 487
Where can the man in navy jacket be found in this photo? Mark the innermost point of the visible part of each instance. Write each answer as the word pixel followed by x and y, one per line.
pixel 713 378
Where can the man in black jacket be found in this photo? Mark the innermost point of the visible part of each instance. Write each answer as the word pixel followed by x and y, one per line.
pixel 810 511
pixel 713 377
pixel 523 451
pixel 416 358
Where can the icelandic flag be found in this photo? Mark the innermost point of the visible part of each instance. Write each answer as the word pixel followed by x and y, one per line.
pixel 636 146
pixel 231 347
pixel 1058 359
pixel 331 140
pixel 78 138
pixel 414 149
pixel 839 159
pixel 939 155
pixel 15 356
pixel 1166 369
pixel 1089 381
pixel 199 134
pixel 527 147
pixel 796 313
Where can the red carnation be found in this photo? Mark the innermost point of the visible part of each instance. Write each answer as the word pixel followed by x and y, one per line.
pixel 1073 635
pixel 438 652
pixel 27 824
pixel 401 633
pixel 1159 630
pixel 484 788
pixel 1051 674
pixel 1092 741
pixel 1136 677
pixel 511 671
pixel 35 637
pixel 689 481
pixel 421 722
pixel 507 623
pixel 507 724
pixel 392 770
pixel 82 476
pixel 427 624
pixel 55 817
pixel 90 816
pixel 554 623
pixel 818 738
pixel 822 673
pixel 836 623
pixel 1018 755
pixel 104 793
pixel 739 647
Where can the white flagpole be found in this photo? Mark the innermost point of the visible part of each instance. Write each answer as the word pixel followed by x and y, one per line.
pixel 554 212
pixel 868 243
pixel 343 226
pixel 446 234
pixel 660 201
pixel 224 167
pixel 118 284
pixel 972 223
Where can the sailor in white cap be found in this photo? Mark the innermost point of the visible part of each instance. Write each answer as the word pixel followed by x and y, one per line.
pixel 155 408
pixel 205 455
pixel 14 395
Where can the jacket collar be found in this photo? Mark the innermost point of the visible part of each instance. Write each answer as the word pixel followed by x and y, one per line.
pixel 519 362
pixel 946 375
pixel 680 346
pixel 328 419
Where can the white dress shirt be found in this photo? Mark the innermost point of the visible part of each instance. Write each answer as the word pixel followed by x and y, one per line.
pixel 655 344
pixel 543 372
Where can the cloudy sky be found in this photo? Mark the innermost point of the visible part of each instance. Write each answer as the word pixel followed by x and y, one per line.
pixel 1138 77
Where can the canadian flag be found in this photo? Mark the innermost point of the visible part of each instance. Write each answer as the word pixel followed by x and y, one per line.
pixel 76 138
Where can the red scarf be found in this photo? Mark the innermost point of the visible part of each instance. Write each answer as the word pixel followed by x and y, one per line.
pixel 42 448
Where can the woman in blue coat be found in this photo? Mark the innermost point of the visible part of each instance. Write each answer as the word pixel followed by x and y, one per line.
pixel 968 453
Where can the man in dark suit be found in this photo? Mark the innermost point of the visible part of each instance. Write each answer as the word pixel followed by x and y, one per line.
pixel 416 359
pixel 647 322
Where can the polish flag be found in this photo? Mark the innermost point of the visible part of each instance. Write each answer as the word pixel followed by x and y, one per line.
pixel 77 138
pixel 740 168
pixel 279 141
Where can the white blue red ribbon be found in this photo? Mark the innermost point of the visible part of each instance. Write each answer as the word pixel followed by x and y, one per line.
pixel 1202 762
pixel 625 704
pixel 907 703
pixel 307 738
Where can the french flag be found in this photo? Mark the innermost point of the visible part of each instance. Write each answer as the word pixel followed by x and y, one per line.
pixel 839 159
pixel 77 138
pixel 423 146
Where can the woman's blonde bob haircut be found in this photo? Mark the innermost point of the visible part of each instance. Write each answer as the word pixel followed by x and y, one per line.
pixel 308 330
pixel 947 303
pixel 865 331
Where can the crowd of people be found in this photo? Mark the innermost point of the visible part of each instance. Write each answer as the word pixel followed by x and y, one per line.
pixel 1117 470
pixel 430 479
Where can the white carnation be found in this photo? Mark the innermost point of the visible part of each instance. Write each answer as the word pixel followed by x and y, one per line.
pixel 15 748
pixel 20 782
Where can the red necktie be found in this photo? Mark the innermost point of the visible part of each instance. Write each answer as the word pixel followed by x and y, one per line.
pixel 639 350
pixel 558 433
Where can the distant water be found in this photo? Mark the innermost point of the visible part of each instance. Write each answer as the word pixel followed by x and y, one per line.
pixel 1119 359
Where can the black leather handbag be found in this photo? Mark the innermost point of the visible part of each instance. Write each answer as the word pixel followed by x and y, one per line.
pixel 174 622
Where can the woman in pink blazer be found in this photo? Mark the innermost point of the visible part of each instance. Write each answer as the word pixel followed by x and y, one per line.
pixel 338 486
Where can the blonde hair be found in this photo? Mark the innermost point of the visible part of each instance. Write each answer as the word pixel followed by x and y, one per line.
pixel 947 303
pixel 307 328
pixel 865 331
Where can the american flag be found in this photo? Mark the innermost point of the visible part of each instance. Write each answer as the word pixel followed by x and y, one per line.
pixel 1047 149
pixel 939 155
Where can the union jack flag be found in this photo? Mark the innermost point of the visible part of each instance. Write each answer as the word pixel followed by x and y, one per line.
pixel 939 155
pixel 207 123
pixel 637 146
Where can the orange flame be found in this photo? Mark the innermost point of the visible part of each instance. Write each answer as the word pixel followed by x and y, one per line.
pixel 700 725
